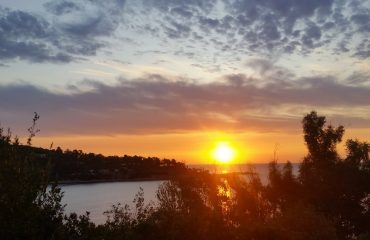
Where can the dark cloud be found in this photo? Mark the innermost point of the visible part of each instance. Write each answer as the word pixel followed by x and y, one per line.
pixel 61 7
pixel 209 22
pixel 177 30
pixel 363 49
pixel 266 27
pixel 268 71
pixel 25 36
pixel 358 78
pixel 362 21
pixel 71 35
pixel 269 29
pixel 17 24
pixel 182 12
pixel 87 18
pixel 75 29
pixel 190 5
pixel 275 24
pixel 289 10
pixel 157 104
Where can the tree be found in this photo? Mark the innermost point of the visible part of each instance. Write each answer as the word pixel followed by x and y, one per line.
pixel 321 140
pixel 30 208
pixel 334 186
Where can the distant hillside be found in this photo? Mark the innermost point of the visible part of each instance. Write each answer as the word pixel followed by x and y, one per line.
pixel 75 165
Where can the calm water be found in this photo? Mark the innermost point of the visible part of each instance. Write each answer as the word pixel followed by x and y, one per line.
pixel 99 197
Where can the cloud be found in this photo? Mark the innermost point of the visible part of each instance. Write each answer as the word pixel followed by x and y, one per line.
pixel 61 7
pixel 72 30
pixel 177 30
pixel 25 36
pixel 156 104
pixel 358 78
pixel 269 27
pixel 362 21
pixel 363 49
pixel 72 33
pixel 86 18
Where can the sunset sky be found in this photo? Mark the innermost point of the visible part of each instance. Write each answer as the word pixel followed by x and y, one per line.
pixel 171 78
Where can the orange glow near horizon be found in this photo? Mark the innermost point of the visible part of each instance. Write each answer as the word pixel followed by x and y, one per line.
pixel 189 147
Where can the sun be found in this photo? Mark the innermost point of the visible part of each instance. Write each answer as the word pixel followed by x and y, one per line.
pixel 224 153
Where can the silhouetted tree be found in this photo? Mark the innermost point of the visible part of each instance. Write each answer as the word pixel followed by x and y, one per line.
pixel 336 187
pixel 30 209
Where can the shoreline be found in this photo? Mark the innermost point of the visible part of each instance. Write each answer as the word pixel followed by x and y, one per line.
pixel 76 182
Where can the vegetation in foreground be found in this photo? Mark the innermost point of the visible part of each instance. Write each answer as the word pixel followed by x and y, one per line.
pixel 329 199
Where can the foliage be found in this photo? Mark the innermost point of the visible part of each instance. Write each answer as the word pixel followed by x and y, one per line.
pixel 30 208
pixel 334 186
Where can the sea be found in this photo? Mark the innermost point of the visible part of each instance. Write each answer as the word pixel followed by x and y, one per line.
pixel 97 198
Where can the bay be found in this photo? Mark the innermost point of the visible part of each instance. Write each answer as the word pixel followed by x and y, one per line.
pixel 97 198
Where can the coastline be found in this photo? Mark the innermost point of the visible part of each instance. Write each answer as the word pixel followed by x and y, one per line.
pixel 75 182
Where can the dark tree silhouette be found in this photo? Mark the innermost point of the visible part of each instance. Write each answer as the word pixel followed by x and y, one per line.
pixel 337 187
